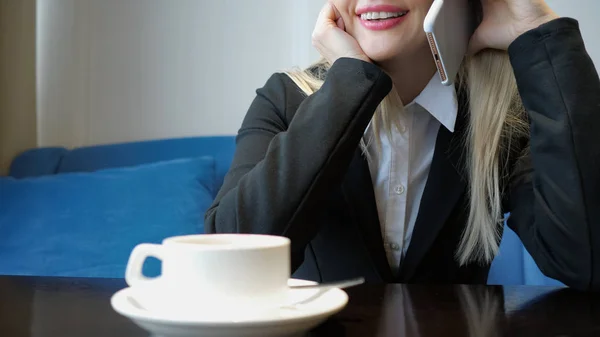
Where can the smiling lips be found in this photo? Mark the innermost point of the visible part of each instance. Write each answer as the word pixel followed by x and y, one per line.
pixel 381 17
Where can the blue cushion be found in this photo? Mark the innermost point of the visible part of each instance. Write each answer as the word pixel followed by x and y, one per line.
pixel 37 162
pixel 514 266
pixel 97 157
pixel 507 267
pixel 534 276
pixel 85 224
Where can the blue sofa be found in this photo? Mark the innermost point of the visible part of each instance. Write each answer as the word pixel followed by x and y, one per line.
pixel 79 212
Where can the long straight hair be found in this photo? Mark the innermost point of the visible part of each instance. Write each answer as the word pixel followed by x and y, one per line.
pixel 496 119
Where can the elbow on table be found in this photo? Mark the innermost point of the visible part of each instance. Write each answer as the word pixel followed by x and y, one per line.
pixel 573 271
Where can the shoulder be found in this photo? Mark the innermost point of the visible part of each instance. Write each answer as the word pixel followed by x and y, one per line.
pixel 283 94
pixel 281 87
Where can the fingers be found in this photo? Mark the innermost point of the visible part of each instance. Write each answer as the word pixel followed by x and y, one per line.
pixel 336 13
pixel 331 39
pixel 328 16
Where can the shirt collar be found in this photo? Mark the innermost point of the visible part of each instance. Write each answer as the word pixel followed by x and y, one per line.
pixel 440 101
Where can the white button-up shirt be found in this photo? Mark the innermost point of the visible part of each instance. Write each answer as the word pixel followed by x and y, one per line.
pixel 399 171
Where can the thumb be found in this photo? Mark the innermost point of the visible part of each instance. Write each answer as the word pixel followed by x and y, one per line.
pixel 340 24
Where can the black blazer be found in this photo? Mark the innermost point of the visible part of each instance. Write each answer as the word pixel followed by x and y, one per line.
pixel 298 172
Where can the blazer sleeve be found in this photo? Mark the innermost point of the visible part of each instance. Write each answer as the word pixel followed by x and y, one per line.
pixel 555 188
pixel 281 173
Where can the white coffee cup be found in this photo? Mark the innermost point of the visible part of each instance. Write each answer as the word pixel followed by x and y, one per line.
pixel 213 274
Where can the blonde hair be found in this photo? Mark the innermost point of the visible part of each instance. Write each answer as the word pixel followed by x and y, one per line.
pixel 496 119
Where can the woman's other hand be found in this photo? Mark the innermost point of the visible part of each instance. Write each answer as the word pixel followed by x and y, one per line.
pixel 330 38
pixel 505 20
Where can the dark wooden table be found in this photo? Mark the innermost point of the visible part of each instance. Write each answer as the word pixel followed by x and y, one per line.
pixel 48 307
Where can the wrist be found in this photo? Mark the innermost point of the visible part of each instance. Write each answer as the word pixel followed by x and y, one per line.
pixel 535 23
pixel 360 57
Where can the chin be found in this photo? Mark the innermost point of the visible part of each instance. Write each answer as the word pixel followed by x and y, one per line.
pixel 381 48
pixel 382 52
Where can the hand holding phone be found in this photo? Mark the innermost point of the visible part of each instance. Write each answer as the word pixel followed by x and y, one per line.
pixel 457 27
pixel 505 20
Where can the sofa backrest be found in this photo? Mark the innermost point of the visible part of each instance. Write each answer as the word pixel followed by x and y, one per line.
pixel 92 158
pixel 37 162
pixel 512 266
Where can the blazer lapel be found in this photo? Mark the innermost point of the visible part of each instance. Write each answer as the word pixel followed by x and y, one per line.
pixel 444 187
pixel 359 194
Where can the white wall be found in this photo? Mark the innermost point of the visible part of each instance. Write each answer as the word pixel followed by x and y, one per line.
pixel 63 72
pixel 586 12
pixel 122 70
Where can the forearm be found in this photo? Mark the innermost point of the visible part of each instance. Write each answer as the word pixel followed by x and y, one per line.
pixel 560 89
pixel 277 194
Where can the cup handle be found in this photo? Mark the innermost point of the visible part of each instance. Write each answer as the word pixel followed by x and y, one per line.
pixel 133 272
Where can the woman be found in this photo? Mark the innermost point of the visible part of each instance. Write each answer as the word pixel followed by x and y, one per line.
pixel 363 185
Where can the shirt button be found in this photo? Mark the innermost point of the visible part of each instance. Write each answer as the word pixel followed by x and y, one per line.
pixel 395 246
pixel 402 128
pixel 399 189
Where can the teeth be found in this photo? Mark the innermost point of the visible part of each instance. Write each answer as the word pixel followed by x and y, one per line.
pixel 380 15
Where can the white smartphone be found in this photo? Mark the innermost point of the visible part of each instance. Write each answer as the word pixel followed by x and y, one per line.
pixel 449 25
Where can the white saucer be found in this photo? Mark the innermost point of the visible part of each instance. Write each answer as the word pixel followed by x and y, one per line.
pixel 287 321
